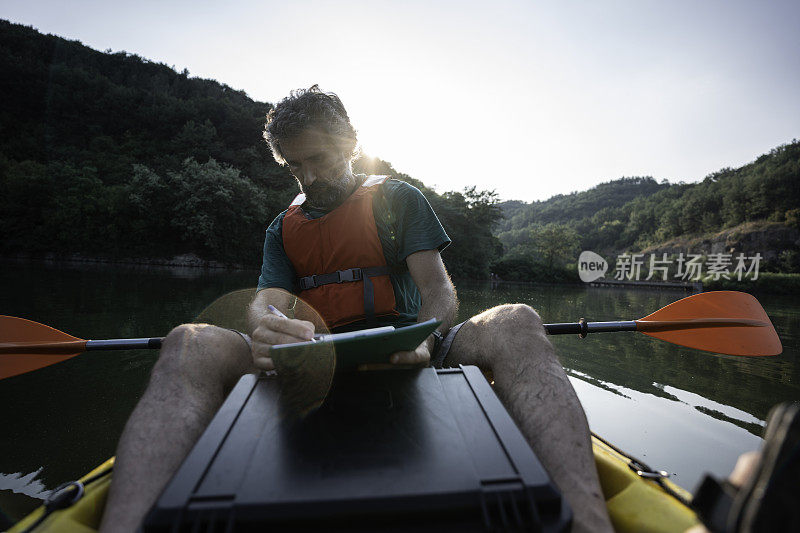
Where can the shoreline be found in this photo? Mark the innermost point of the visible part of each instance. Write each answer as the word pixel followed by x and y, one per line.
pixel 694 286
pixel 767 283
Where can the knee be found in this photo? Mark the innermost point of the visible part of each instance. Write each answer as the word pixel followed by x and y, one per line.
pixel 516 319
pixel 198 348
pixel 187 334
pixel 521 328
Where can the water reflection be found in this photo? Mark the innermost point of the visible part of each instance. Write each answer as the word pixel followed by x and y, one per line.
pixel 684 410
pixel 24 484
pixel 680 409
pixel 750 384
pixel 667 434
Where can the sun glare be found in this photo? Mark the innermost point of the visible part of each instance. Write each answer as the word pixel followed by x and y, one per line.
pixel 374 143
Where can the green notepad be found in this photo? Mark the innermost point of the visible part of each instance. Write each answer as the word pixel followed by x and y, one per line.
pixel 366 346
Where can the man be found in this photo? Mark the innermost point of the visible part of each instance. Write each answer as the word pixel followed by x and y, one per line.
pixel 360 251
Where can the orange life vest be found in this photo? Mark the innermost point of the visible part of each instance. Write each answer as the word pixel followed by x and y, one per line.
pixel 339 259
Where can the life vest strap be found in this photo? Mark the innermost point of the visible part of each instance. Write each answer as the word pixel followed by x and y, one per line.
pixel 350 275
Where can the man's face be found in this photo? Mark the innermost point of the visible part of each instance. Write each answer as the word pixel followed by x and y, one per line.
pixel 322 171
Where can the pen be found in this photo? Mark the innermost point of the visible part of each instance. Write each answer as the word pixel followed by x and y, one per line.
pixel 275 311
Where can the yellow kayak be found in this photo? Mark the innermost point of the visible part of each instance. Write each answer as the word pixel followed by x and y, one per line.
pixel 637 502
pixel 638 499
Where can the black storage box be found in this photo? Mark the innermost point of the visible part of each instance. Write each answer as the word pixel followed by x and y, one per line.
pixel 394 450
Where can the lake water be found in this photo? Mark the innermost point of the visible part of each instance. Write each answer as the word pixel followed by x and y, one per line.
pixel 678 409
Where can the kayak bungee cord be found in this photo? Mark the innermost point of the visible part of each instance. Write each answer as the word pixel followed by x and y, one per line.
pixel 62 497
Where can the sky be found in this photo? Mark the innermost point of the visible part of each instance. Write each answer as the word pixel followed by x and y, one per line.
pixel 529 99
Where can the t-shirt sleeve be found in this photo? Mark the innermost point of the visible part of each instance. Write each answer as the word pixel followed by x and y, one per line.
pixel 276 269
pixel 417 226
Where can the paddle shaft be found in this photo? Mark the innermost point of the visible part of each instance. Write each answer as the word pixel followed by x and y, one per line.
pixel 564 328
pixel 125 344
pixel 63 347
pixel 583 328
pixel 155 342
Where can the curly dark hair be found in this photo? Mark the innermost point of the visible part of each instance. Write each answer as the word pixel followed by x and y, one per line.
pixel 305 108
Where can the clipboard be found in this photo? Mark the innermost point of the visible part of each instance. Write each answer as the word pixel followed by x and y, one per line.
pixel 366 346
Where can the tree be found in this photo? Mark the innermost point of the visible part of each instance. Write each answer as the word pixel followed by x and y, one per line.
pixel 218 212
pixel 469 219
pixel 555 243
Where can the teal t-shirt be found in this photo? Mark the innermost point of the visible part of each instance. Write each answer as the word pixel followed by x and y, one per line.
pixel 406 224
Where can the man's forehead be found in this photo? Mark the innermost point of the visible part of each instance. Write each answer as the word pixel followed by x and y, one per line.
pixel 308 142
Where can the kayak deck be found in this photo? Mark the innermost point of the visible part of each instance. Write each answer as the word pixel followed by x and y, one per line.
pixel 634 503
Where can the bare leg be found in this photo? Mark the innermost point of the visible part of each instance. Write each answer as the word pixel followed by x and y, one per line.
pixel 509 341
pixel 197 367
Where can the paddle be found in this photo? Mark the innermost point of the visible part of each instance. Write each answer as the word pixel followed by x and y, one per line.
pixel 725 322
pixel 26 345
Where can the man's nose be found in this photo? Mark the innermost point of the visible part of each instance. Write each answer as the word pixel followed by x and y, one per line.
pixel 309 177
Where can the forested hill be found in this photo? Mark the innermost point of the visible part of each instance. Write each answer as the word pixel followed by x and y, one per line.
pixel 109 154
pixel 567 208
pixel 634 214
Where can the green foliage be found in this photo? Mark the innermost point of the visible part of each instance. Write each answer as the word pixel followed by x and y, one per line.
pixel 567 208
pixel 217 211
pixel 555 244
pixel 209 209
pixel 634 213
pixel 468 218
pixel 541 253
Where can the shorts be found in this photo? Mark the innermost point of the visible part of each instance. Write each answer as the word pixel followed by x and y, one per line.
pixel 441 348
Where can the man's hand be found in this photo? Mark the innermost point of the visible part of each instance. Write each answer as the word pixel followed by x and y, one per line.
pixel 268 328
pixel 438 300
pixel 273 329
pixel 421 356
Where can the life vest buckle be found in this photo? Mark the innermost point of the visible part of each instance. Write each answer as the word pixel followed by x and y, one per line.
pixel 351 274
pixel 340 276
pixel 308 282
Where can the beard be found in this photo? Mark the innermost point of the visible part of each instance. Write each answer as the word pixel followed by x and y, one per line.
pixel 326 195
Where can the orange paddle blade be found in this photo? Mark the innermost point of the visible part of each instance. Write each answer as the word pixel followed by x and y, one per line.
pixel 26 345
pixel 726 322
